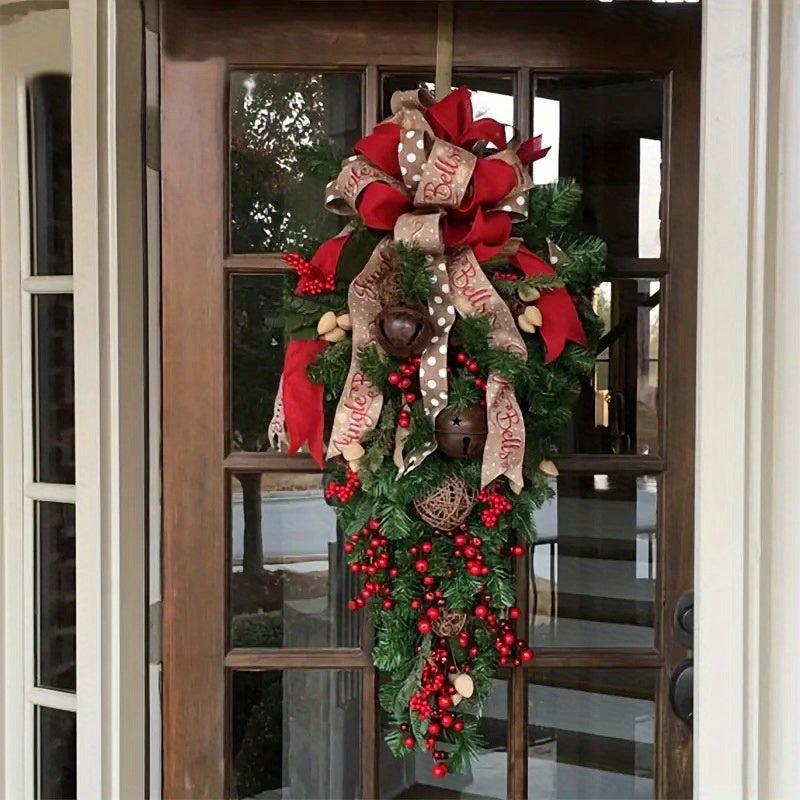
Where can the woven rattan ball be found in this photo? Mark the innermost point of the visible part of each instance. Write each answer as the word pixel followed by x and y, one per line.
pixel 449 623
pixel 448 505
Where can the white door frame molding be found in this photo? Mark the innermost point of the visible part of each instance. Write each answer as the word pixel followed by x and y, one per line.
pixel 748 439
pixel 747 547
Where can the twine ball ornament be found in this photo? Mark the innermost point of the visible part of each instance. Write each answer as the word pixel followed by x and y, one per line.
pixel 448 505
pixel 403 330
pixel 449 623
pixel 461 433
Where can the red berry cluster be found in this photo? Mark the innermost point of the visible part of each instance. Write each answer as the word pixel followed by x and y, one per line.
pixel 511 649
pixel 343 492
pixel 406 379
pixel 498 504
pixel 469 548
pixel 505 276
pixel 434 700
pixel 312 280
pixel 374 560
pixel 474 368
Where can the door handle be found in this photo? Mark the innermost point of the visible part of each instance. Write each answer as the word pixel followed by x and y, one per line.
pixel 681 683
pixel 681 691
pixel 683 620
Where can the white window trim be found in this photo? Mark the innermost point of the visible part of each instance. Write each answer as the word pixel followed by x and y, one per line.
pixel 107 284
pixel 28 46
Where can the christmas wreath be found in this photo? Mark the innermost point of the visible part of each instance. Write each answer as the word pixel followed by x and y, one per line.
pixel 438 343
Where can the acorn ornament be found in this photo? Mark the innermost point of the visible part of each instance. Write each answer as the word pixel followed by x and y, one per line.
pixel 403 330
pixel 530 319
pixel 333 328
pixel 463 684
pixel 461 433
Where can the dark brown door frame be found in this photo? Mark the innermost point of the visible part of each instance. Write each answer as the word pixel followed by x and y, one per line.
pixel 200 42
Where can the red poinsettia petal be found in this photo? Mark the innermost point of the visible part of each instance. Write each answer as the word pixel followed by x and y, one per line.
pixel 380 205
pixel 560 322
pixel 380 147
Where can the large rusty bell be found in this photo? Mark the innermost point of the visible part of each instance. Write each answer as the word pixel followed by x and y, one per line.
pixel 461 433
pixel 403 330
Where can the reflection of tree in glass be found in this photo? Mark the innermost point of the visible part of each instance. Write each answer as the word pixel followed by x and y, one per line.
pixel 274 117
pixel 257 345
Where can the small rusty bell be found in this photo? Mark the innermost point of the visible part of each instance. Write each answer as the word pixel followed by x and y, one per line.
pixel 461 433
pixel 403 330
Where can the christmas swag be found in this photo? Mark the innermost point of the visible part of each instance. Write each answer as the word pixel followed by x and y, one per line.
pixel 448 352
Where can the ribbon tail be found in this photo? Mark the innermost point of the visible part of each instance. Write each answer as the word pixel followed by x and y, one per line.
pixel 361 401
pixel 505 442
pixel 276 430
pixel 302 399
pixel 560 322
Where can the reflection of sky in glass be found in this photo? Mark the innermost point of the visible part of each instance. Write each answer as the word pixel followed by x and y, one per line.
pixel 547 122
pixel 649 198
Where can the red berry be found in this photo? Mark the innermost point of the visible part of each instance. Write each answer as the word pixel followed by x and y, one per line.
pixel 513 612
pixel 481 611
pixel 434 729
pixel 409 397
pixel 415 604
pixel 526 654
pixel 426 547
pixel 409 742
pixel 423 626
pixel 458 725
pixel 447 720
pixel 394 378
pixel 444 701
pixel 462 357
pixel 405 383
pixel 433 612
pixel 388 604
pixel 440 770
pixel 421 565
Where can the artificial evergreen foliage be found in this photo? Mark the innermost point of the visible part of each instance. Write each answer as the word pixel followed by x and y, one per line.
pixel 545 392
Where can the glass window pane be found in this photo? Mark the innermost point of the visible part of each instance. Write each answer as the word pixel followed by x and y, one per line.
pixel 289 582
pixel 591 734
pixel 55 595
pixel 492 94
pixel 296 734
pixel 257 344
pixel 487 778
pixel 50 158
pixel 53 389
pixel 618 407
pixel 594 563
pixel 275 117
pixel 606 133
pixel 55 754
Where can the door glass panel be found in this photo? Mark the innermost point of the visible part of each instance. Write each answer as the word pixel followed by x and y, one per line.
pixel 618 407
pixel 50 158
pixel 594 563
pixel 53 389
pixel 591 734
pixel 56 777
pixel 296 734
pixel 492 94
pixel 289 580
pixel 487 777
pixel 55 595
pixel 275 119
pixel 257 344
pixel 606 133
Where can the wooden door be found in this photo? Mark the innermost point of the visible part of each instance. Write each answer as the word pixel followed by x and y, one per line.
pixel 267 677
